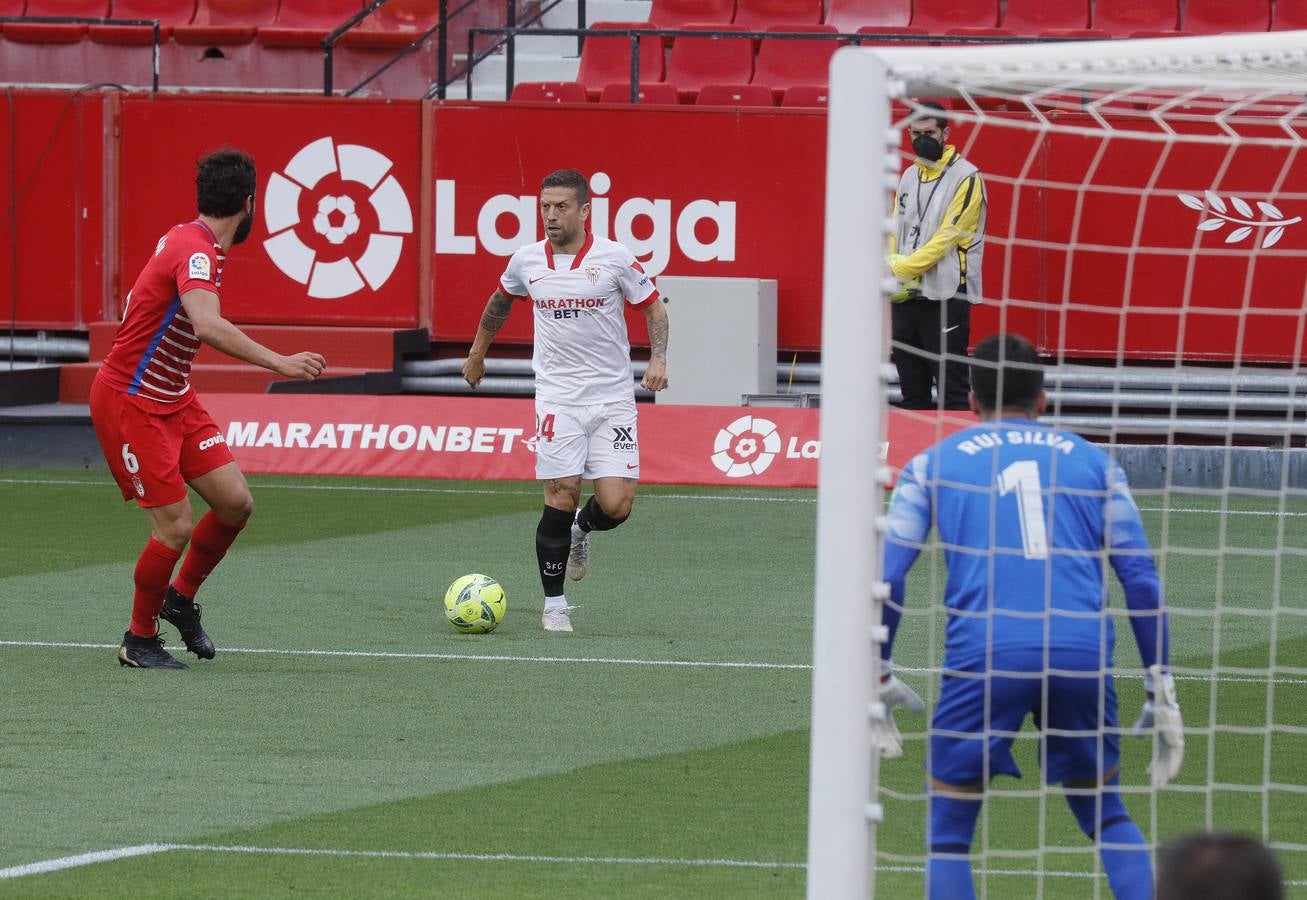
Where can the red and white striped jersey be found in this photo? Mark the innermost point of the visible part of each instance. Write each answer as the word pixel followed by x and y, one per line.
pixel 152 352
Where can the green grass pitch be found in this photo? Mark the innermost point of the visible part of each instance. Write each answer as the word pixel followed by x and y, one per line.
pixel 347 742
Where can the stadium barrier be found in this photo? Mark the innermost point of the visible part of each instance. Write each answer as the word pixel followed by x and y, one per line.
pixel 483 438
pixel 403 213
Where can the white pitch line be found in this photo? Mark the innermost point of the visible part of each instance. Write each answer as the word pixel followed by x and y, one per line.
pixel 82 859
pixel 490 857
pixel 396 489
pixel 68 862
pixel 742 498
pixel 593 660
pixel 470 657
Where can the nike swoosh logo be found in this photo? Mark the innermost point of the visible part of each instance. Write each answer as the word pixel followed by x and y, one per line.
pixel 954 328
pixel 636 466
pixel 537 278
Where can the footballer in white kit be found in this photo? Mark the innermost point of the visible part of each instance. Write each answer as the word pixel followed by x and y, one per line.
pixel 578 286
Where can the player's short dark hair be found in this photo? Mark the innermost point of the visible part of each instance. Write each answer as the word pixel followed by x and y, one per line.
pixel 568 178
pixel 1214 866
pixel 223 180
pixel 1011 360
pixel 919 112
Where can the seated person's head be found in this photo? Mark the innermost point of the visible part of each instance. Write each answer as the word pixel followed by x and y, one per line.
pixel 1218 867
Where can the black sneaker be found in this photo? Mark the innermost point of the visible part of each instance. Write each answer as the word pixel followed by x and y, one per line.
pixel 146 653
pixel 184 615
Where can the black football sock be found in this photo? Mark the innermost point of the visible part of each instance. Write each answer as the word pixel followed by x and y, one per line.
pixel 593 517
pixel 553 541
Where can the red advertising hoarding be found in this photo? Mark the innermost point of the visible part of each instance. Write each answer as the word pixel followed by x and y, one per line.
pixel 1102 241
pixel 690 192
pixel 475 438
pixel 336 233
pixel 52 208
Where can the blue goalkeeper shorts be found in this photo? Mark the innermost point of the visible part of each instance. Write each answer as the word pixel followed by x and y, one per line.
pixel 978 716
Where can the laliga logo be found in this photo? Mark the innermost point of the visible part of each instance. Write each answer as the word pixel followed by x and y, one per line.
pixel 651 218
pixel 348 168
pixel 746 447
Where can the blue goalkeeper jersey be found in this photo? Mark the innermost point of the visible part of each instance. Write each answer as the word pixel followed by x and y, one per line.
pixel 1028 518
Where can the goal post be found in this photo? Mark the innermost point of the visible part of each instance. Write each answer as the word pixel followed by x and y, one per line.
pixel 1145 225
pixel 840 839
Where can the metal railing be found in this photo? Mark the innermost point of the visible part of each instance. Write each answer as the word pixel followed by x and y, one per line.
pixel 511 31
pixel 445 16
pixel 440 29
pixel 508 38
pixel 153 24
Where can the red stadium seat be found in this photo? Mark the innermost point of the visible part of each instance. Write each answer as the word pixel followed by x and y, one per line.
pixel 219 22
pixel 806 95
pixel 12 7
pixel 606 60
pixel 394 25
pixel 849 15
pixel 1290 15
pixel 676 13
pixel 43 33
pixel 937 16
pixel 1124 18
pixel 762 15
pixel 981 32
pixel 1160 33
pixel 1220 16
pixel 304 23
pixel 1083 34
pixel 696 61
pixel 784 63
pixel 170 14
pixel 734 95
pixel 549 92
pixel 651 92
pixel 1029 17
pixel 878 32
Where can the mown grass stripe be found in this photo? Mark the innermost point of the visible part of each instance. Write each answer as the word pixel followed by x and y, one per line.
pixel 737 497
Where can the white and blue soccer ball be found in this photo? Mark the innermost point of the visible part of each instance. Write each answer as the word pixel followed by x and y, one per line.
pixel 475 604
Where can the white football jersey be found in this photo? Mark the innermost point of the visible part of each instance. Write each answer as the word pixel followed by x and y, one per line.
pixel 582 355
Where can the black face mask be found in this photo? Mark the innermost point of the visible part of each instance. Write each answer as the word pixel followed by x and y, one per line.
pixel 927 147
pixel 243 229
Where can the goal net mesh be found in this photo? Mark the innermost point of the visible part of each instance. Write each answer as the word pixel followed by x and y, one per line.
pixel 1147 225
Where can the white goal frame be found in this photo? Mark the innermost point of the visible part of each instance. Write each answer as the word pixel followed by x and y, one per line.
pixel 862 172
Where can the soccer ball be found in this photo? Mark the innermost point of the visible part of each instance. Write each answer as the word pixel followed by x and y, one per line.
pixel 475 604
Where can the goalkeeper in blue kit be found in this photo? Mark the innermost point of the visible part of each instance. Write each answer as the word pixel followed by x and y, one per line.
pixel 1026 515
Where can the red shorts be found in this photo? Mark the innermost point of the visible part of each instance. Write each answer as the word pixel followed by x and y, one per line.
pixel 152 455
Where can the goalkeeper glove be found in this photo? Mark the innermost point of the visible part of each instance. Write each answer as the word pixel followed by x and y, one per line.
pixel 1161 714
pixel 906 286
pixel 892 693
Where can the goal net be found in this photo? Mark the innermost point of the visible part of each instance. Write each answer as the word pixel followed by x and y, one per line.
pixel 1147 231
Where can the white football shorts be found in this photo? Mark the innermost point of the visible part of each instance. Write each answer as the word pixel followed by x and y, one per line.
pixel 590 441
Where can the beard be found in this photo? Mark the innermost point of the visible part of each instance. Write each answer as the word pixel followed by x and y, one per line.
pixel 243 229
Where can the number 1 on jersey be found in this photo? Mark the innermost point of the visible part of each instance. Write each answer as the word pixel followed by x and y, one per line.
pixel 1023 477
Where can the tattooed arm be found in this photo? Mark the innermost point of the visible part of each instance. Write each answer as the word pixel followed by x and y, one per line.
pixel 655 377
pixel 497 309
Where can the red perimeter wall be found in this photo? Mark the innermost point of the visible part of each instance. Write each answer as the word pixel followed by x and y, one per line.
pixel 442 193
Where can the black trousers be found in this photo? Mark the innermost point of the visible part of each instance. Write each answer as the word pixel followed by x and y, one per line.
pixel 920 327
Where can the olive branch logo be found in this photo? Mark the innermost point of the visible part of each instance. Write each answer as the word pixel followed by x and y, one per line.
pixel 1219 217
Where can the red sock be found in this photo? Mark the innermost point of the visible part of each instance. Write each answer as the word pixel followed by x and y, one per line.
pixel 209 543
pixel 153 570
